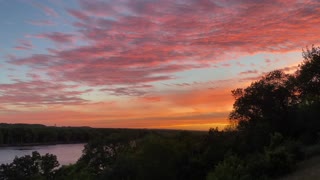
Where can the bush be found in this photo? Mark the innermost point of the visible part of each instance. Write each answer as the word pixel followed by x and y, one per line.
pixel 30 167
pixel 231 168
pixel 281 155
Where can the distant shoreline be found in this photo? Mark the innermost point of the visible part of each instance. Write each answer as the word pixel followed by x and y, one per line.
pixel 38 144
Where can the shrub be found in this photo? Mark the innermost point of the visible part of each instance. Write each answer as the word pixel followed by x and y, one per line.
pixel 231 168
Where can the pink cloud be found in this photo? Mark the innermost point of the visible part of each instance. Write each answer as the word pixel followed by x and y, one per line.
pixel 125 91
pixel 267 61
pixel 226 65
pixel 35 60
pixel 34 76
pixel 128 46
pixel 38 93
pixel 2 108
pixel 24 45
pixel 78 14
pixel 41 22
pixel 251 79
pixel 84 65
pixel 97 8
pixel 249 72
pixel 137 42
pixel 290 69
pixel 137 90
pixel 58 37
pixel 47 10
pixel 151 99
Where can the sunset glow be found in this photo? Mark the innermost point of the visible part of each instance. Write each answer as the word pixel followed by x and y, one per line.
pixel 168 64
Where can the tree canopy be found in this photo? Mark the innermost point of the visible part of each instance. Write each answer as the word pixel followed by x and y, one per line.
pixel 279 100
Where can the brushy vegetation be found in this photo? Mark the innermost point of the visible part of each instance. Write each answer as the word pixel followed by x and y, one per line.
pixel 276 117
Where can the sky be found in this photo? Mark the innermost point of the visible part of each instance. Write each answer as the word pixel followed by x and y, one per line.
pixel 168 64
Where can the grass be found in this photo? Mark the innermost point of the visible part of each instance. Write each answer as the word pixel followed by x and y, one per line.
pixel 306 170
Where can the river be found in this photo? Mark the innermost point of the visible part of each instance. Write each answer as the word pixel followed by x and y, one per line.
pixel 66 153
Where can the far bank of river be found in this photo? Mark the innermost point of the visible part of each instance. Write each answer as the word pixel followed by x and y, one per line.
pixel 66 153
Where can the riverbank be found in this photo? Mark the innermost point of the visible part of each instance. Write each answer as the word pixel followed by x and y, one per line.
pixel 40 144
pixel 66 153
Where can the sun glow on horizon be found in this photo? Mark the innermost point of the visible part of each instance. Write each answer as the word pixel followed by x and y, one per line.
pixel 142 64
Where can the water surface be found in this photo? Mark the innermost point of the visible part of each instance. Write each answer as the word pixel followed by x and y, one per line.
pixel 66 153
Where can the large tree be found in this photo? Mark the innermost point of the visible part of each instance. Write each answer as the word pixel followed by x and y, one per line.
pixel 266 100
pixel 308 75
pixel 286 103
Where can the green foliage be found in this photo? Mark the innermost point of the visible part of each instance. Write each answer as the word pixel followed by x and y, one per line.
pixel 75 171
pixel 308 77
pixel 48 163
pixel 152 156
pixel 231 168
pixel 278 102
pixel 280 156
pixel 284 103
pixel 264 101
pixel 30 167
pixel 30 134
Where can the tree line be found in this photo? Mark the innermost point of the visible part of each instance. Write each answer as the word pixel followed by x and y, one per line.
pixel 33 134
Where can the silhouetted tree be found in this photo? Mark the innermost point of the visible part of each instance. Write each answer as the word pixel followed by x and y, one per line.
pixel 30 167
pixel 264 104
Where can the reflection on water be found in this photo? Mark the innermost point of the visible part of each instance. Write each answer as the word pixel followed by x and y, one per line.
pixel 66 153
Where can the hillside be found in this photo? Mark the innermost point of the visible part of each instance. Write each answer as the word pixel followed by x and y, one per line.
pixel 306 170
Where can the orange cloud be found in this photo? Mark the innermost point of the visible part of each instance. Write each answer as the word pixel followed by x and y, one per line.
pixel 195 109
pixel 122 47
